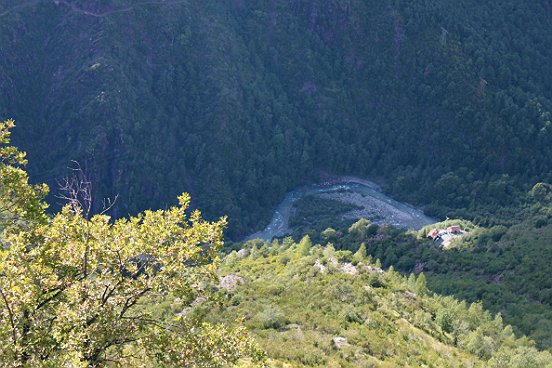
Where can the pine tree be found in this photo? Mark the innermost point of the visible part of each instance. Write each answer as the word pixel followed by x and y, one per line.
pixel 360 255
pixel 420 287
pixel 304 246
pixel 412 281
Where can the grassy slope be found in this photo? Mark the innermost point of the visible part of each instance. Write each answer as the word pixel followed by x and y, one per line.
pixel 505 268
pixel 294 311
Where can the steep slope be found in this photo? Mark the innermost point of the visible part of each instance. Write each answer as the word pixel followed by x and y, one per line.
pixel 309 306
pixel 505 268
pixel 238 102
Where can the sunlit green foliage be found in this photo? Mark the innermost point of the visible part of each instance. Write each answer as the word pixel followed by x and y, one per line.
pixel 505 268
pixel 74 292
pixel 298 309
pixel 20 202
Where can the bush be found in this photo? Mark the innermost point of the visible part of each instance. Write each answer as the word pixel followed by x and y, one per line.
pixel 271 317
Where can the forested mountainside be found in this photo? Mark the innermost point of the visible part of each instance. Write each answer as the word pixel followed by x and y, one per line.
pixel 448 102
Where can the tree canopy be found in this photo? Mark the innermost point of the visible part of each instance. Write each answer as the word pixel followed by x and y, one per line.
pixel 19 201
pixel 75 291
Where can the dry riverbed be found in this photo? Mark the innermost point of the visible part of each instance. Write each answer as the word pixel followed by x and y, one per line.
pixel 376 210
pixel 375 206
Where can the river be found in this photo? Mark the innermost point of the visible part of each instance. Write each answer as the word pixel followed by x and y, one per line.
pixel 376 206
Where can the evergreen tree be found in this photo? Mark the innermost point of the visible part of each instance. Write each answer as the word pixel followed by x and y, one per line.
pixel 360 255
pixel 304 246
pixel 420 287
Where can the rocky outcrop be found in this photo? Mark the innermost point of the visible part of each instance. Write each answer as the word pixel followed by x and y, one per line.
pixel 230 282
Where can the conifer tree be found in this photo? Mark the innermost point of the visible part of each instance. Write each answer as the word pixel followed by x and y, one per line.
pixel 360 254
pixel 304 246
pixel 420 286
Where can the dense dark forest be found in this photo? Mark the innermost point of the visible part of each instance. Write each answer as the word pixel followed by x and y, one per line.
pixel 446 102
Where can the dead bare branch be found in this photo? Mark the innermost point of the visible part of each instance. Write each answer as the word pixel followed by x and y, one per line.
pixel 76 190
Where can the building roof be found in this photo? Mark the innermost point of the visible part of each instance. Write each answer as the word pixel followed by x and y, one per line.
pixel 433 233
